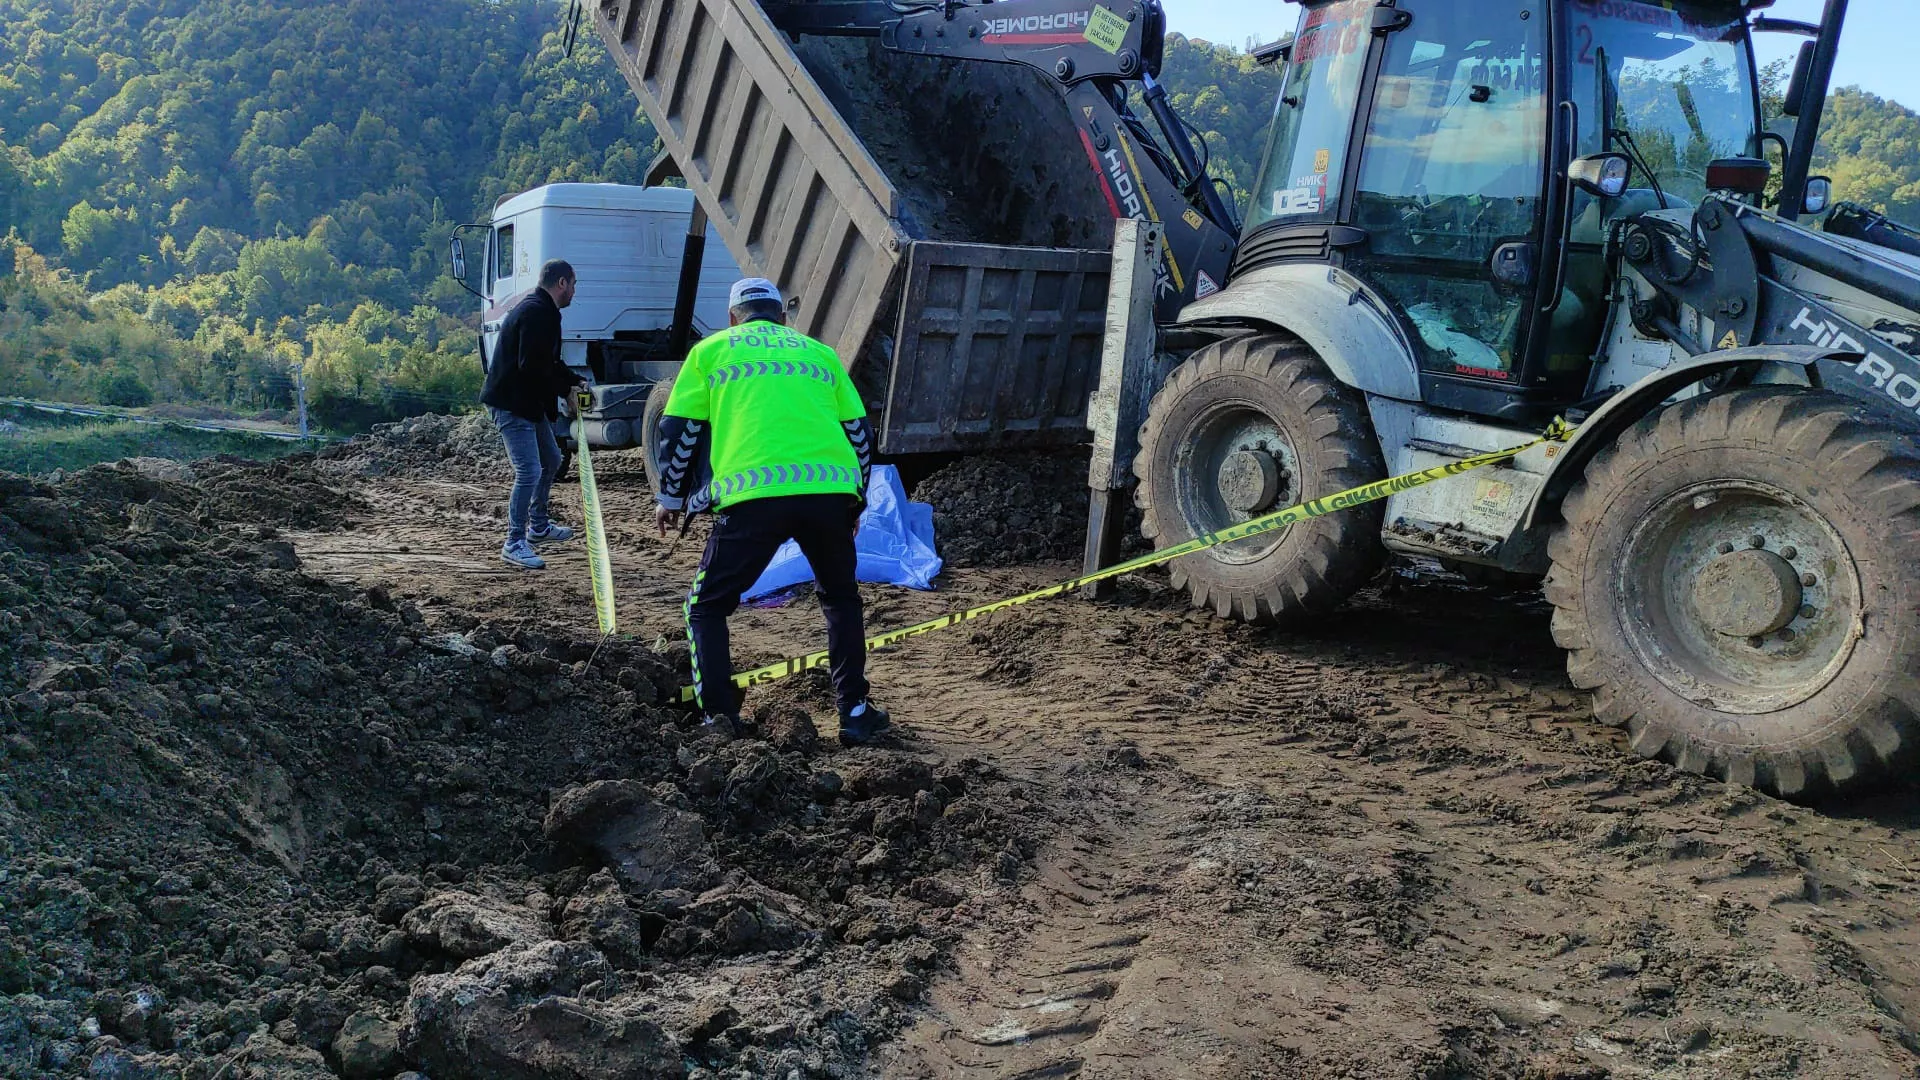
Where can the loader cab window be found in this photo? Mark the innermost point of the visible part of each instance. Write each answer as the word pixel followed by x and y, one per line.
pixel 1679 82
pixel 1301 175
pixel 1452 176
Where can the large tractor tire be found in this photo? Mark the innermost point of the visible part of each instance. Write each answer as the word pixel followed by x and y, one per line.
pixel 1736 583
pixel 1244 427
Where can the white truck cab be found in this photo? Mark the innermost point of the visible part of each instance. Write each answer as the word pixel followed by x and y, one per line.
pixel 627 246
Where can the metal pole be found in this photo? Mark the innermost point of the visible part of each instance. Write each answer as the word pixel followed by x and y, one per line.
pixel 691 258
pixel 300 394
pixel 1806 132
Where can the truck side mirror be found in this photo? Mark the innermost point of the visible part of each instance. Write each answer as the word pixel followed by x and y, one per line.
pixel 1604 175
pixel 459 259
pixel 1819 195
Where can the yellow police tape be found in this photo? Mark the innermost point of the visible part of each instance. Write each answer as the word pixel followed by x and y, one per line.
pixel 599 563
pixel 1558 431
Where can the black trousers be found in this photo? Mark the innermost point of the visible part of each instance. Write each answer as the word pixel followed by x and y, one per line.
pixel 745 539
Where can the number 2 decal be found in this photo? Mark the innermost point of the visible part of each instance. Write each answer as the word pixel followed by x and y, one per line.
pixel 1584 35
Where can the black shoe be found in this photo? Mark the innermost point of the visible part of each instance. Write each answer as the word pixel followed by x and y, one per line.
pixel 862 729
pixel 725 725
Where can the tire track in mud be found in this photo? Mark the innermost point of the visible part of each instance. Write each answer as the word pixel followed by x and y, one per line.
pixel 1556 862
pixel 1394 846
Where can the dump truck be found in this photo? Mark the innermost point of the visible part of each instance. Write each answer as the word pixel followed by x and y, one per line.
pixel 1470 218
pixel 638 292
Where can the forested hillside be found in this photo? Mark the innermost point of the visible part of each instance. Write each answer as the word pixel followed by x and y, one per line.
pixel 259 183
pixel 197 196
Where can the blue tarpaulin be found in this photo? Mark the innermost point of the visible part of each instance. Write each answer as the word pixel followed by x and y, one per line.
pixel 895 544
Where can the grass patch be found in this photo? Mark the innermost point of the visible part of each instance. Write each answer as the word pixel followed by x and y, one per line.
pixel 38 448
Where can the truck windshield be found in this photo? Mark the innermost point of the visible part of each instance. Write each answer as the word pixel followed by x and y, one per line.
pixel 1313 122
pixel 1679 79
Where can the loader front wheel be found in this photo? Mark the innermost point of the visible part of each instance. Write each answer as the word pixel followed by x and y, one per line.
pixel 1245 427
pixel 1734 582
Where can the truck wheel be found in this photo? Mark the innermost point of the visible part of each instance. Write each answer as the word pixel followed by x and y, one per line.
pixel 650 431
pixel 1734 582
pixel 1245 427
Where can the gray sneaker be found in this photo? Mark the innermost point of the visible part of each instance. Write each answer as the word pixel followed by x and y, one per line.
pixel 551 534
pixel 520 553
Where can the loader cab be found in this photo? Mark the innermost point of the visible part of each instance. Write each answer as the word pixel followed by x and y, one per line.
pixel 1425 145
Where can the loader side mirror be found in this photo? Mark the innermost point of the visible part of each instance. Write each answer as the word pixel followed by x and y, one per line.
pixel 1797 86
pixel 459 259
pixel 1742 176
pixel 1819 197
pixel 1272 53
pixel 1388 20
pixel 1604 175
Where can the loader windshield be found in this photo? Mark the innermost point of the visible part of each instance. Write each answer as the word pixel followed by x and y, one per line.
pixel 1678 79
pixel 1313 123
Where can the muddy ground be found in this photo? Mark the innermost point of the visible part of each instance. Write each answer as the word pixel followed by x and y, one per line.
pixel 313 785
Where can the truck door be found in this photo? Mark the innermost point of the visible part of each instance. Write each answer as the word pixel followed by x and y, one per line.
pixel 500 256
pixel 1452 181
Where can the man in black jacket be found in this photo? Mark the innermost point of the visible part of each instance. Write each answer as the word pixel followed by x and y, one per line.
pixel 525 383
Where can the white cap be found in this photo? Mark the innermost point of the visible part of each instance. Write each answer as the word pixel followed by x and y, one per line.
pixel 751 289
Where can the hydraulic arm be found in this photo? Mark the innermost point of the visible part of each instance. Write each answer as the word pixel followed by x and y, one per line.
pixel 1095 55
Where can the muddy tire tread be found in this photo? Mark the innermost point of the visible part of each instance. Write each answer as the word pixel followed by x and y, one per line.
pixel 1338 560
pixel 1880 467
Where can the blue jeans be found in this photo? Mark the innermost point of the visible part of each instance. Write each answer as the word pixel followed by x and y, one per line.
pixel 535 455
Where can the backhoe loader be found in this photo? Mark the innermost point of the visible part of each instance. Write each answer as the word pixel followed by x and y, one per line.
pixel 1472 217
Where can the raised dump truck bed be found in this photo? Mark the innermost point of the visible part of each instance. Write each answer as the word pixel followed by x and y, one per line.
pixel 981 345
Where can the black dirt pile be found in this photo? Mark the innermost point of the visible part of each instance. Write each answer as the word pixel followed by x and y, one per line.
pixel 1004 509
pixel 440 447
pixel 993 170
pixel 253 825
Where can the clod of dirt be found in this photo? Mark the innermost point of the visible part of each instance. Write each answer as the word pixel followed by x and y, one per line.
pixel 523 1014
pixel 368 1047
pixel 464 926
pixel 1000 510
pixel 648 844
pixel 788 728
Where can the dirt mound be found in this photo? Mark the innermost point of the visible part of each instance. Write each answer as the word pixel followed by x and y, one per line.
pixel 463 447
pixel 285 493
pixel 1005 509
pixel 980 175
pixel 257 825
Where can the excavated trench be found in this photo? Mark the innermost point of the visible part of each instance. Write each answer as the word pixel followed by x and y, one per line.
pixel 257 824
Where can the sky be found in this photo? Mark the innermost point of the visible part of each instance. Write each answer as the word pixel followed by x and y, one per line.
pixel 1876 53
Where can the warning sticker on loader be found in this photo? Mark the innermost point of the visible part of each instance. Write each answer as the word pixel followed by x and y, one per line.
pixel 1558 431
pixel 1106 29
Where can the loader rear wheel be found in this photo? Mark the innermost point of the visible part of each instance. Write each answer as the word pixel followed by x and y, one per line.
pixel 1244 427
pixel 1734 582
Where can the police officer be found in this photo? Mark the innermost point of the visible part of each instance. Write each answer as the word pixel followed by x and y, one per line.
pixel 772 416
